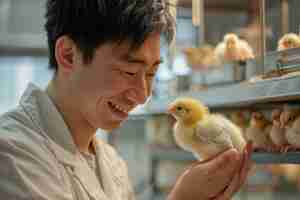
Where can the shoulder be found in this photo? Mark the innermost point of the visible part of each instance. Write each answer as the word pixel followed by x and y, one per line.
pixel 20 142
pixel 27 165
pixel 17 128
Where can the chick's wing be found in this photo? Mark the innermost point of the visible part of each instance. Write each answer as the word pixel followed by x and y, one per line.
pixel 213 132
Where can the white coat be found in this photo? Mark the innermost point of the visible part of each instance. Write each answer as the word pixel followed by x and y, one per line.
pixel 38 159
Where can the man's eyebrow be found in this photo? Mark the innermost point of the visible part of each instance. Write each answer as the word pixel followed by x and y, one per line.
pixel 132 59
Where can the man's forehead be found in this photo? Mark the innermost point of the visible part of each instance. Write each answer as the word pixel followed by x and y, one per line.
pixel 152 40
pixel 146 52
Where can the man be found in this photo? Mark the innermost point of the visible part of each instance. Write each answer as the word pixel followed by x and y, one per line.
pixel 105 54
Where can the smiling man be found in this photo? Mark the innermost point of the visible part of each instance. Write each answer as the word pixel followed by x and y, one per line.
pixel 101 92
pixel 105 54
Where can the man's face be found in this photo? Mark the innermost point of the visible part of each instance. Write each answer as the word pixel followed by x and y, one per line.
pixel 115 81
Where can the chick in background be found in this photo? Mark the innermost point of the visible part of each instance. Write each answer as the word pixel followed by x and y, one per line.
pixel 277 171
pixel 203 133
pixel 292 173
pixel 239 118
pixel 288 115
pixel 277 133
pixel 201 58
pixel 290 120
pixel 258 132
pixel 288 41
pixel 192 56
pixel 232 48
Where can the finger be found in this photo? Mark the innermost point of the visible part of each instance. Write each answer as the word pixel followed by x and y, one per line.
pixel 225 172
pixel 228 168
pixel 225 161
pixel 223 167
pixel 246 163
pixel 194 164
pixel 230 190
pixel 211 158
pixel 240 177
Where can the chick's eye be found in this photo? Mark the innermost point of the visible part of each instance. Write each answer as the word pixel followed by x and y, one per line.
pixel 291 118
pixel 179 108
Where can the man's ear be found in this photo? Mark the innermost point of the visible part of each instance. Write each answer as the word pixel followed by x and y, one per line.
pixel 65 52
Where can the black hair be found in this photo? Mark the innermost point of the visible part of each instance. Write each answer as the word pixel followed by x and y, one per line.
pixel 90 23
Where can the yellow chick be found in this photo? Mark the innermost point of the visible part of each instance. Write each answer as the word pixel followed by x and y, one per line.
pixel 290 120
pixel 292 172
pixel 239 118
pixel 192 56
pixel 258 132
pixel 288 41
pixel 277 171
pixel 277 133
pixel 201 132
pixel 288 116
pixel 201 58
pixel 233 49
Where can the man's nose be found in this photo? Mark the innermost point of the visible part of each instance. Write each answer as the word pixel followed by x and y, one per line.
pixel 139 92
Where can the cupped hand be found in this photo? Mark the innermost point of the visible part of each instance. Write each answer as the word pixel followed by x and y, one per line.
pixel 216 179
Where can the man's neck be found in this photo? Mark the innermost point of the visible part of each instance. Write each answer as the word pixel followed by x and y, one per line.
pixel 82 133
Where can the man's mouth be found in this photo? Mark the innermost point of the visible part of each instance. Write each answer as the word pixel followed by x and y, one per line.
pixel 118 109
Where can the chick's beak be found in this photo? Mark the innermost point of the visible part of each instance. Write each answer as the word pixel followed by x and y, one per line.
pixel 171 109
pixel 287 43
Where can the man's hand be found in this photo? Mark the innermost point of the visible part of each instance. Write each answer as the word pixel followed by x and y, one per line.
pixel 215 179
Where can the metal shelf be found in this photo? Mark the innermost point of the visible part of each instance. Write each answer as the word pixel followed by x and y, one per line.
pixel 238 95
pixel 174 154
pixel 216 4
pixel 234 96
pixel 242 94
pixel 272 158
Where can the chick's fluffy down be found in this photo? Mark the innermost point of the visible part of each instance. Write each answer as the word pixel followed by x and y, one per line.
pixel 212 135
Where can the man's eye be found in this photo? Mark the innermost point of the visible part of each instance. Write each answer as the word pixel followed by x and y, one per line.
pixel 127 73
pixel 130 73
pixel 150 75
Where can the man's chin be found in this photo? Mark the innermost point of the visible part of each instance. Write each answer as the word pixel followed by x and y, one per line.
pixel 111 126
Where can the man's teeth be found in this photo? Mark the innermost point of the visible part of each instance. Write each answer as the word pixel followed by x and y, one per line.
pixel 119 108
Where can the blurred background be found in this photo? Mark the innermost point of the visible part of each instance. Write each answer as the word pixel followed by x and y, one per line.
pixel 146 141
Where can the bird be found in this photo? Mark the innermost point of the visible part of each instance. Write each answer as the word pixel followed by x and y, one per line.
pixel 201 132
pixel 278 171
pixel 288 41
pixel 201 57
pixel 292 173
pixel 277 132
pixel 232 48
pixel 290 120
pixel 288 115
pixel 258 132
pixel 239 118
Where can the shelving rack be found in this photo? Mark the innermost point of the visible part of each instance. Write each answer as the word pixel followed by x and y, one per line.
pixel 265 93
pixel 245 93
